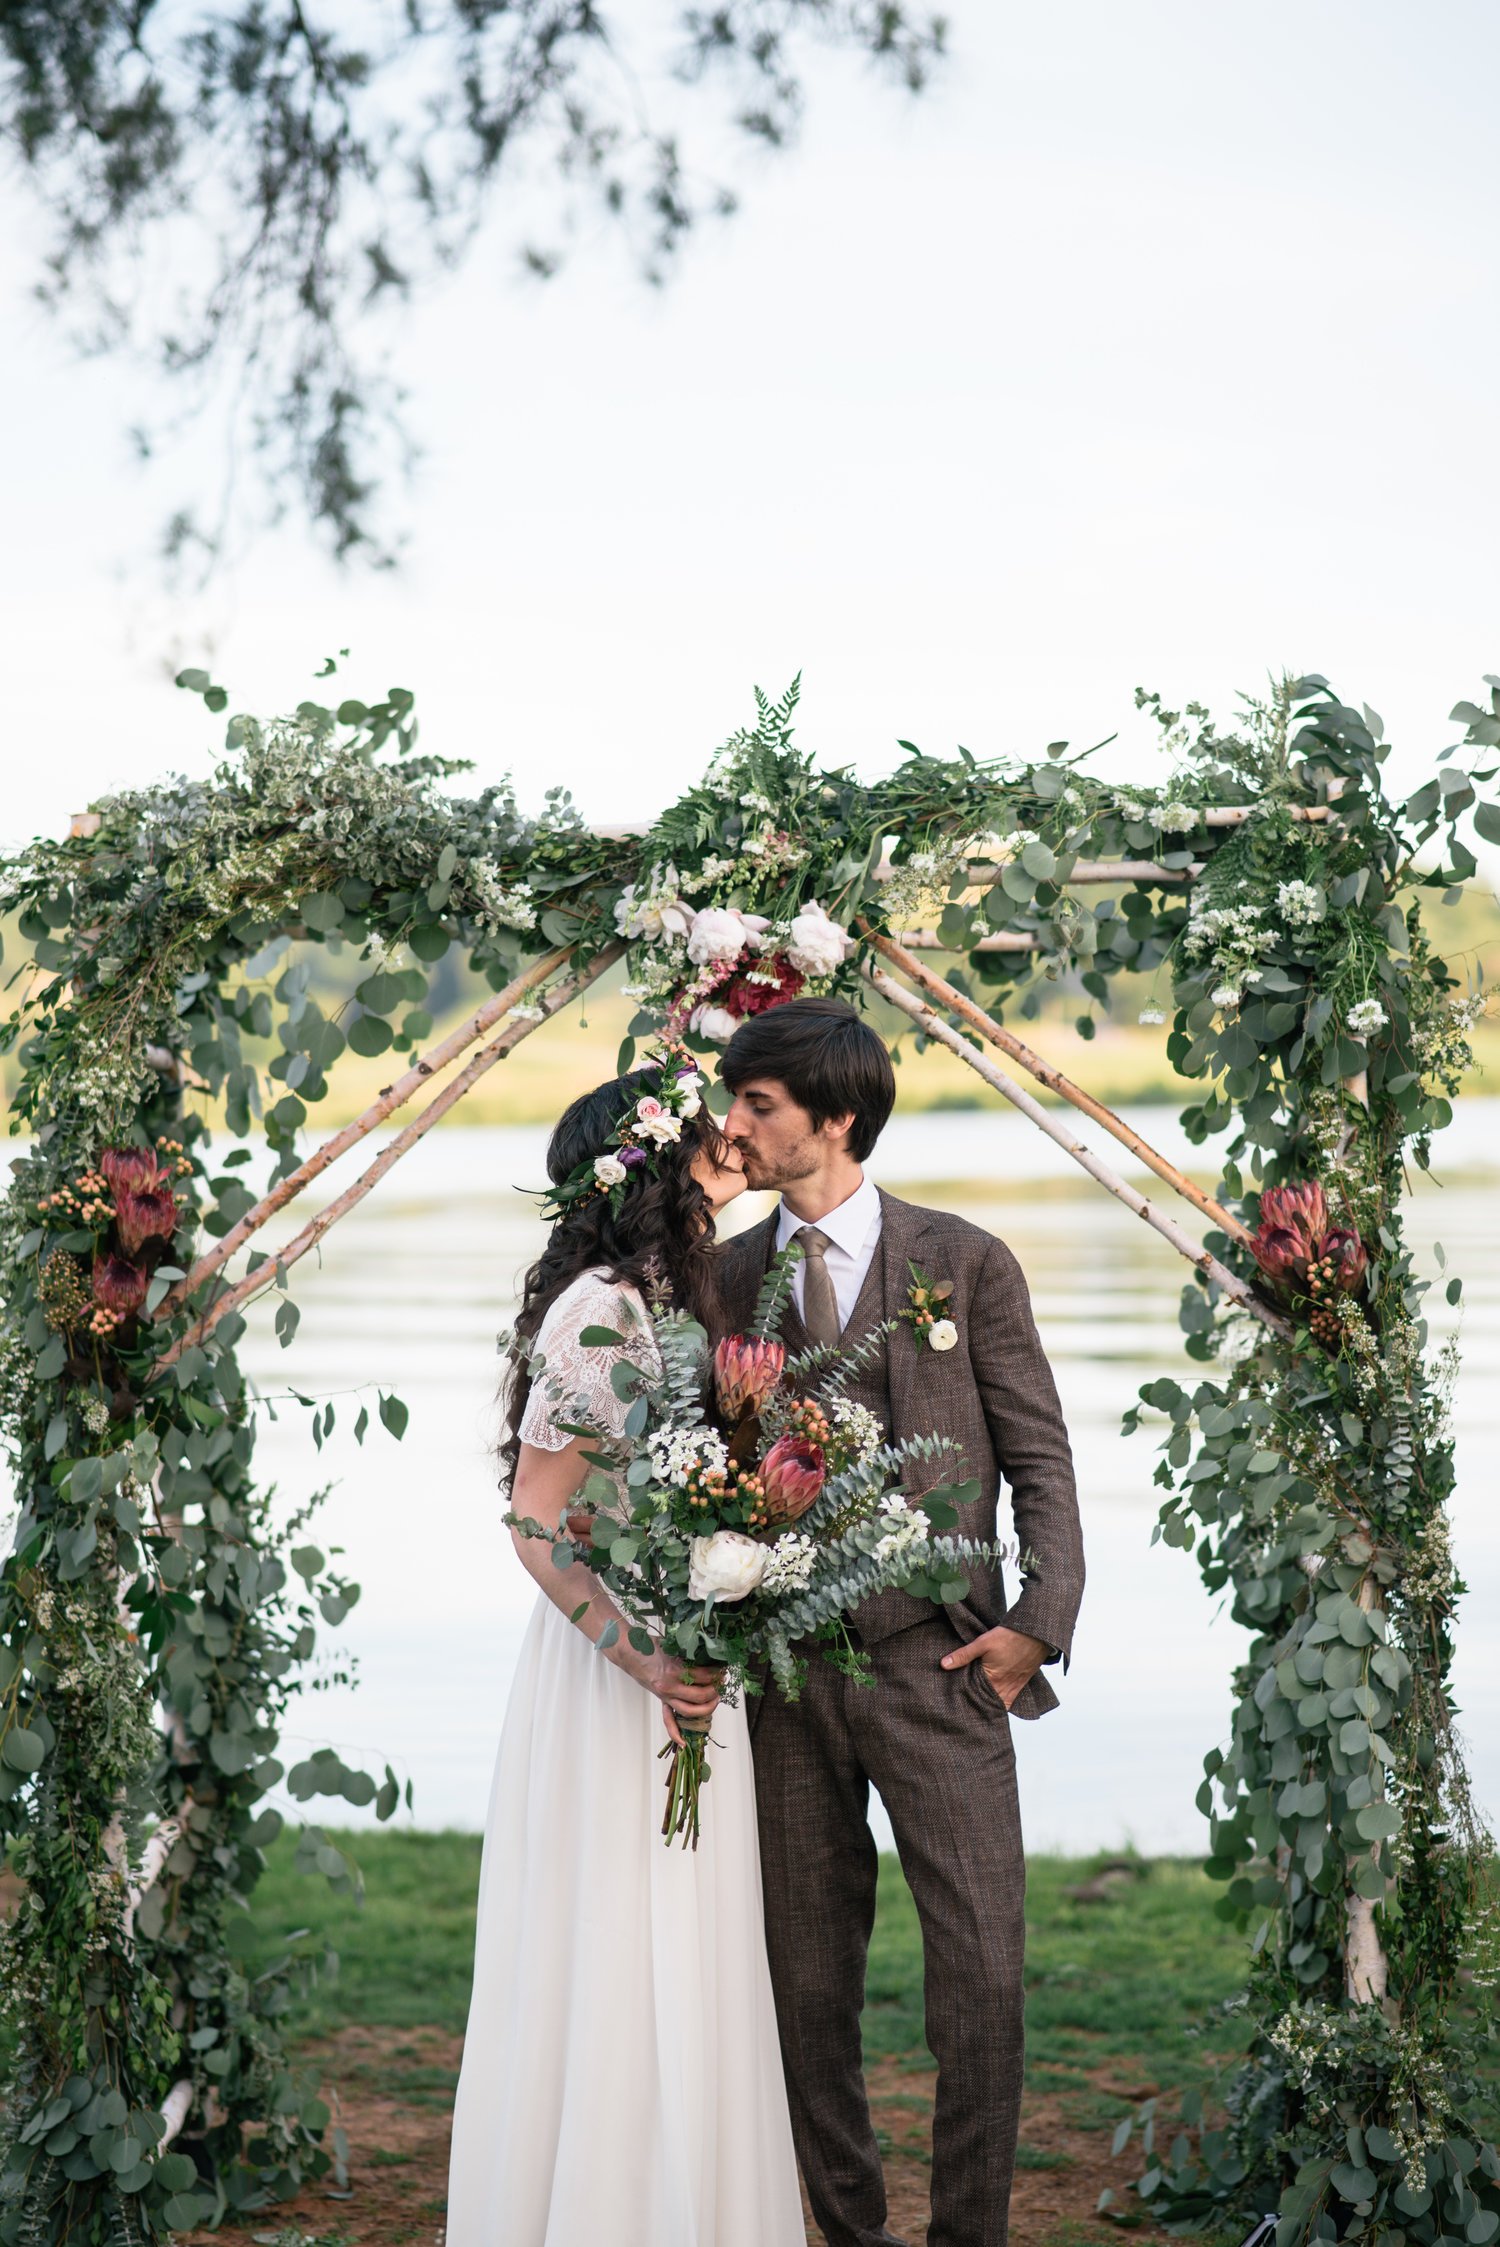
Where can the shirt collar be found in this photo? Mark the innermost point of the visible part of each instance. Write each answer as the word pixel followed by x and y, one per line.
pixel 848 1227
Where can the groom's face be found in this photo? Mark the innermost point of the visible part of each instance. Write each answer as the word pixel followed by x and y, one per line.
pixel 777 1138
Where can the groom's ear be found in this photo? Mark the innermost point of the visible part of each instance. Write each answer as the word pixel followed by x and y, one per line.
pixel 838 1127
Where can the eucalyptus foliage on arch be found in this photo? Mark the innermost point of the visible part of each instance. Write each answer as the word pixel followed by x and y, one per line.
pixel 153 1615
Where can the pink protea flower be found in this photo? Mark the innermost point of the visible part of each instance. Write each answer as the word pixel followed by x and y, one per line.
pixel 145 1217
pixel 745 1373
pixel 118 1284
pixel 791 1475
pixel 131 1170
pixel 1280 1252
pixel 1300 1207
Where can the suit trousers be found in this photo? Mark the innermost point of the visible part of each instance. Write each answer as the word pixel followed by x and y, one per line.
pixel 936 1745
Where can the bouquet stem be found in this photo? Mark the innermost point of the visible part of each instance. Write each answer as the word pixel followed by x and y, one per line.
pixel 687 1775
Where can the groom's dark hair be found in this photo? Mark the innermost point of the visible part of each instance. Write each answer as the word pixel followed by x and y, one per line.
pixel 830 1060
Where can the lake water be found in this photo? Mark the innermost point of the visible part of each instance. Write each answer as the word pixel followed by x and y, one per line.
pixel 415 1284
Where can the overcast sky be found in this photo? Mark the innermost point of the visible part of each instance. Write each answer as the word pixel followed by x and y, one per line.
pixel 1155 344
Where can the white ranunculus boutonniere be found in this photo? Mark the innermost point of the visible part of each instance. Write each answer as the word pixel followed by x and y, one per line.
pixel 927 1310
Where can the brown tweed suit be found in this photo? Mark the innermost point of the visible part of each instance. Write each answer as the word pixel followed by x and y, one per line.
pixel 935 1743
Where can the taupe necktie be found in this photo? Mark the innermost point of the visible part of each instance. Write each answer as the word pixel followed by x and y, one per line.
pixel 820 1302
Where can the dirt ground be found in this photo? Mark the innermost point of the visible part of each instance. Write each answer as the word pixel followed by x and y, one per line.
pixel 394 2094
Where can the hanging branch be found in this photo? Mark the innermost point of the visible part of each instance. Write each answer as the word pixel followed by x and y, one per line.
pixel 392 1097
pixel 934 1026
pixel 264 1275
pixel 955 1002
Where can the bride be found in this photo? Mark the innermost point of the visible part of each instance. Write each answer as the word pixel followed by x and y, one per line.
pixel 621 2075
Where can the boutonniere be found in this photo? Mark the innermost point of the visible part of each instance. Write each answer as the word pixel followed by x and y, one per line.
pixel 925 1300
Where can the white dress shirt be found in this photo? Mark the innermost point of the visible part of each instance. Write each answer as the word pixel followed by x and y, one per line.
pixel 853 1232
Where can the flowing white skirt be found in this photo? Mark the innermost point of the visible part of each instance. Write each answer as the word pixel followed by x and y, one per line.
pixel 621 2076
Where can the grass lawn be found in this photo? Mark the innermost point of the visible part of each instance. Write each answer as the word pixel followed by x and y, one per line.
pixel 1121 1970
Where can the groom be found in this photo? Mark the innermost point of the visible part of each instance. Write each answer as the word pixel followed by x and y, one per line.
pixel 813 1087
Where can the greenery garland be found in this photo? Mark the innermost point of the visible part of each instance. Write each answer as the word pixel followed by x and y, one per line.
pixel 154 1616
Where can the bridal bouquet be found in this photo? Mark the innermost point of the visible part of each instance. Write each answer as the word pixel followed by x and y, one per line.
pixel 729 1528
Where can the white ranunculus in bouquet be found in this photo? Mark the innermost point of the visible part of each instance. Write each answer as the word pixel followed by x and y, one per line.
pixel 750 1506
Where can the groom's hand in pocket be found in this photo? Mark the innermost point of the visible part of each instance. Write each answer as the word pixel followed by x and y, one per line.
pixel 1008 1659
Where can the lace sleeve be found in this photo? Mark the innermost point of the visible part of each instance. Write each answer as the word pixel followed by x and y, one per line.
pixel 571 1382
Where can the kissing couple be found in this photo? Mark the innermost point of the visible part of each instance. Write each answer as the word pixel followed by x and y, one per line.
pixel 657 2038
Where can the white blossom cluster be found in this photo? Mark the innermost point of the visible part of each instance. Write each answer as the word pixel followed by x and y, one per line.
pixel 859 1430
pixel 1301 904
pixel 1366 1018
pixel 905 1526
pixel 790 1563
pixel 498 904
pixel 1233 938
pixel 680 1454
pixel 920 884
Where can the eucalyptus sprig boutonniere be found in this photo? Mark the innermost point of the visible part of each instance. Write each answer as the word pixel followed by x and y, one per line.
pixel 925 1300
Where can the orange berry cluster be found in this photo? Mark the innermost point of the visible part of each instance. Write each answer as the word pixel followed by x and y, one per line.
pixel 172 1155
pixel 807 1418
pixel 101 1321
pixel 87 1199
pixel 705 1487
pixel 751 1492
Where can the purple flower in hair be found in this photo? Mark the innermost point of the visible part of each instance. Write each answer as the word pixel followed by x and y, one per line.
pixel 632 1157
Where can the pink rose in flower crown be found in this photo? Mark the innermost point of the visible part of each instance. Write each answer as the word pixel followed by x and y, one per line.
pixel 653 1121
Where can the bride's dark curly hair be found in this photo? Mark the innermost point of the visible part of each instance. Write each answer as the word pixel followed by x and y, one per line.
pixel 664 1228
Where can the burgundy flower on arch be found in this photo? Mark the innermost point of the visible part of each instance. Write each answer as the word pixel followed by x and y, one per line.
pixel 145 1217
pixel 131 1170
pixel 118 1284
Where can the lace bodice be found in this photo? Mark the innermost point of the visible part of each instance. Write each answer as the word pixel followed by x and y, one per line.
pixel 574 1382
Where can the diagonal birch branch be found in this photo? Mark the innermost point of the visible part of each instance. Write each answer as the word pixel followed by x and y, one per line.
pixel 1202 1260
pixel 392 1096
pixel 452 1092
pixel 954 1002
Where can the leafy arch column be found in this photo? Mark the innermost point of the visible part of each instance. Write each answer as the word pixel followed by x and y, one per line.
pixel 1271 882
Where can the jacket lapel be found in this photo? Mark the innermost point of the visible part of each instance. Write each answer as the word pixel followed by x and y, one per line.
pixel 901 1228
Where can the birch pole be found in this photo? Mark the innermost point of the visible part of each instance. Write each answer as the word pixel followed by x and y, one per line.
pixel 392 1097
pixel 954 1002
pixel 1203 1260
pixel 265 1275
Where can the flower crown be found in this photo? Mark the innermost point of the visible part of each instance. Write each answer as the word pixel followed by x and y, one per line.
pixel 653 1122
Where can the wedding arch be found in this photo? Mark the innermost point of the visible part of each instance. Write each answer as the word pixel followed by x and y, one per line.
pixel 154 1615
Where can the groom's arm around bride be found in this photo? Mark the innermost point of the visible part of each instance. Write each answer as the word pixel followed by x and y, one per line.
pixel 813 1087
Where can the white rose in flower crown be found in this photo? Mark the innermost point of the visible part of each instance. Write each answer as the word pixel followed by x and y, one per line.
pixel 720 932
pixel 713 1022
pixel 942 1334
pixel 725 1566
pixel 815 944
pixel 609 1170
pixel 653 1121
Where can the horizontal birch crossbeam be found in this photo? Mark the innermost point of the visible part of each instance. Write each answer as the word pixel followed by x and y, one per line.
pixel 954 1001
pixel 935 1025
pixel 265 1275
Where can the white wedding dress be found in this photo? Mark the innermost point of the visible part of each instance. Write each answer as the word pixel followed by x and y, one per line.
pixel 621 2081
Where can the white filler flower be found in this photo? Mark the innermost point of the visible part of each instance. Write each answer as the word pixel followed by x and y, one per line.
pixel 942 1334
pixel 1366 1018
pixel 725 1566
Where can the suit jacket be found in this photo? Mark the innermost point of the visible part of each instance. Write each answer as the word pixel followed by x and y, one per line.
pixel 992 1396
